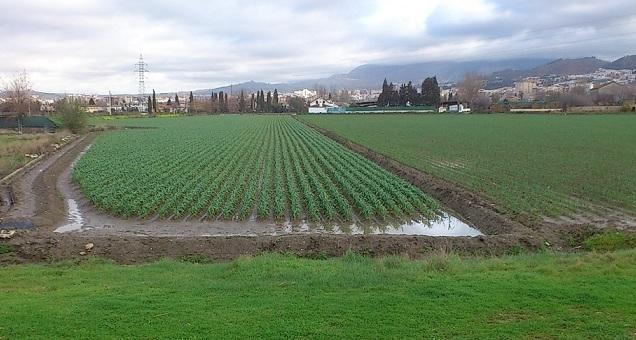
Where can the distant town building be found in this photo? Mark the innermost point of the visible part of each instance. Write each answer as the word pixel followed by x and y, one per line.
pixel 452 106
pixel 609 88
pixel 321 105
pixel 305 94
pixel 526 88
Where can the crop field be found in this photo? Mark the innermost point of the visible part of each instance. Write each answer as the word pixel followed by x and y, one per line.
pixel 530 165
pixel 240 168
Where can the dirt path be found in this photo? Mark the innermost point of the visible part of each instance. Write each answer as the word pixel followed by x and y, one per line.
pixel 36 197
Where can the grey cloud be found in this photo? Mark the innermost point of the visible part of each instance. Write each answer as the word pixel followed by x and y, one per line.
pixel 92 45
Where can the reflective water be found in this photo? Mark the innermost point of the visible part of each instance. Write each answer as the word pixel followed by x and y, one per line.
pixel 74 217
pixel 444 225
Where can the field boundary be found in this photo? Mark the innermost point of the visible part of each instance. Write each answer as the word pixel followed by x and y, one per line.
pixel 476 209
pixel 39 246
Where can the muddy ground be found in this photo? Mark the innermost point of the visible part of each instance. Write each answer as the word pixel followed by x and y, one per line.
pixel 40 199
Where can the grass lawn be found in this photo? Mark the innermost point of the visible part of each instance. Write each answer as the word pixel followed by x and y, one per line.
pixel 529 164
pixel 587 295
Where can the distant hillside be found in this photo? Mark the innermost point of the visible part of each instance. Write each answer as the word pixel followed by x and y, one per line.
pixel 559 67
pixel 248 87
pixel 372 75
pixel 499 73
pixel 624 63
pixel 569 66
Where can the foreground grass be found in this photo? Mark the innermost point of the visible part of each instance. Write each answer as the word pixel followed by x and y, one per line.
pixel 588 295
pixel 530 164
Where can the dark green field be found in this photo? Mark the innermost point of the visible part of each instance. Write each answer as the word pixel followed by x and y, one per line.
pixel 235 167
pixel 545 295
pixel 529 164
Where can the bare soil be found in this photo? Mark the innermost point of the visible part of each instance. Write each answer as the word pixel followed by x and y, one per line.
pixel 40 196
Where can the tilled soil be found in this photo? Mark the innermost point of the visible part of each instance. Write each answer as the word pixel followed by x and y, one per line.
pixel 39 197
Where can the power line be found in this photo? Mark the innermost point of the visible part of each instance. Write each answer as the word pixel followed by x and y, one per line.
pixel 141 68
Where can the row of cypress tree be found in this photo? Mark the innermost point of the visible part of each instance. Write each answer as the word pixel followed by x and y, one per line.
pixel 408 94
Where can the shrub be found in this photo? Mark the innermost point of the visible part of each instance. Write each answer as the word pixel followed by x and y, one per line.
pixel 73 115
pixel 610 241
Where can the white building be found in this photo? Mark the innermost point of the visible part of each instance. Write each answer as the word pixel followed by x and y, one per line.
pixel 452 106
pixel 321 105
pixel 305 94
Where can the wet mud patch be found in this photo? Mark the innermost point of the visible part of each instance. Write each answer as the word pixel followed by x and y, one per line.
pixel 6 198
pixel 17 224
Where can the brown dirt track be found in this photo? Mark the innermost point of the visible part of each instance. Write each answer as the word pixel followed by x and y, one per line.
pixel 38 198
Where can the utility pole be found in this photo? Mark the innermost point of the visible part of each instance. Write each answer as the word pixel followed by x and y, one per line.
pixel 141 68
pixel 110 103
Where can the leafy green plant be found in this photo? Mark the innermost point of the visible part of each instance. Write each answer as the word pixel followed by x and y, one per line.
pixel 610 241
pixel 5 249
pixel 239 167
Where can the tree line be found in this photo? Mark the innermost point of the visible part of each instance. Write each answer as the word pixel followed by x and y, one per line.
pixel 219 102
pixel 407 94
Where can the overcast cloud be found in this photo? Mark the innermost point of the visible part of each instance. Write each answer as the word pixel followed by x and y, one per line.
pixel 91 46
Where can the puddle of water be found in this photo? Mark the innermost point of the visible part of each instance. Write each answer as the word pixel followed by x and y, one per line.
pixel 74 216
pixel 17 225
pixel 444 225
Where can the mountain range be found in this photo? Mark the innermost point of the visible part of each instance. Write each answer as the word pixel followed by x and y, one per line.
pixel 498 73
pixel 559 67
pixel 371 75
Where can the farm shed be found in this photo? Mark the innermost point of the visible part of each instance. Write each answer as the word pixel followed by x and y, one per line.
pixel 452 106
pixel 29 123
pixel 324 106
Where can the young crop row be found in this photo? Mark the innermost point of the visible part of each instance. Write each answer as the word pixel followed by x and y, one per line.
pixel 237 168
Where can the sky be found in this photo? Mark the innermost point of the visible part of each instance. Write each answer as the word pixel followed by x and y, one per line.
pixel 91 47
